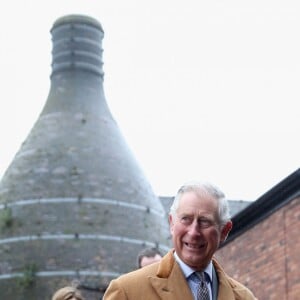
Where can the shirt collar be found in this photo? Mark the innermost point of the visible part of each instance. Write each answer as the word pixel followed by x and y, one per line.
pixel 187 271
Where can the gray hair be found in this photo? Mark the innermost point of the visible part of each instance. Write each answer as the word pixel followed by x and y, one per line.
pixel 204 188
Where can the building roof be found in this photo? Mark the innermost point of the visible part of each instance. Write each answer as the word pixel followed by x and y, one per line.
pixel 267 204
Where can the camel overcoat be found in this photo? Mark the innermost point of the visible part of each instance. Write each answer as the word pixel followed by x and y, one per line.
pixel 165 280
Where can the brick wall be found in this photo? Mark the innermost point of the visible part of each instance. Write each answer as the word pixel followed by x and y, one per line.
pixel 266 258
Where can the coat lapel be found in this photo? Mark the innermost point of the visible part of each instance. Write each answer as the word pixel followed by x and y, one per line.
pixel 215 284
pixel 225 291
pixel 169 282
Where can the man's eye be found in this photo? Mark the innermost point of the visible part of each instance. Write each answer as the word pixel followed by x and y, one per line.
pixel 205 223
pixel 185 219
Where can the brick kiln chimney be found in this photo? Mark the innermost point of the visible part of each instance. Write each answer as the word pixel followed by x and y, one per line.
pixel 74 203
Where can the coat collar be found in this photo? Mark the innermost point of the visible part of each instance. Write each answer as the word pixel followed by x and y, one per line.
pixel 224 288
pixel 169 281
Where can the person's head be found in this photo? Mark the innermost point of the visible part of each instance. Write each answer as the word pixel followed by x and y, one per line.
pixel 67 293
pixel 148 256
pixel 199 221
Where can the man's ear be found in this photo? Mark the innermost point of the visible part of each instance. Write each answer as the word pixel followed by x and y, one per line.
pixel 171 223
pixel 225 231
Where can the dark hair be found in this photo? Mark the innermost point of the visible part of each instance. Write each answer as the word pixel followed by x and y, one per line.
pixel 148 252
pixel 67 292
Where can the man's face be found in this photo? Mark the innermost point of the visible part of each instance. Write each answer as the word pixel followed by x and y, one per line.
pixel 195 229
pixel 145 261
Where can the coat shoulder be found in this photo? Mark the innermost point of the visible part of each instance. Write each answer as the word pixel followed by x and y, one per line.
pixel 230 288
pixel 241 291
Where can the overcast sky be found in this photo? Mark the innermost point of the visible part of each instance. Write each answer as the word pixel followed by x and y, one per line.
pixel 203 90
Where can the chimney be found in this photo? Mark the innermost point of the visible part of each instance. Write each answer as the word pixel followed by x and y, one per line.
pixel 74 203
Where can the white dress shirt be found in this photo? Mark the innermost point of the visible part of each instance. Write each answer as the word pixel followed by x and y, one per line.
pixel 187 271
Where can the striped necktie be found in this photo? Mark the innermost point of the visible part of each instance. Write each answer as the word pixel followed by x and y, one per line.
pixel 202 290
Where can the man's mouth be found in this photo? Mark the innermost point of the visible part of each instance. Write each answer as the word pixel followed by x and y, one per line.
pixel 194 245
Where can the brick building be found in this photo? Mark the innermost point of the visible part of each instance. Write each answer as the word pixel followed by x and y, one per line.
pixel 262 251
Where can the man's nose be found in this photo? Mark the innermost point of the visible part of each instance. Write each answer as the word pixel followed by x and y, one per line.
pixel 195 229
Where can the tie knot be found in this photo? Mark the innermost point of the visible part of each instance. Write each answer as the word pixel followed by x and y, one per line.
pixel 201 276
pixel 198 277
pixel 199 286
pixel 202 290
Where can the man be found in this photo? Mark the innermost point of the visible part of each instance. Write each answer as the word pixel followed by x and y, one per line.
pixel 67 292
pixel 148 256
pixel 199 222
